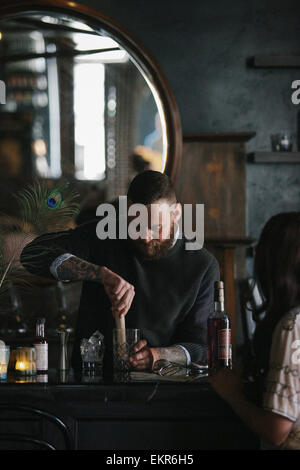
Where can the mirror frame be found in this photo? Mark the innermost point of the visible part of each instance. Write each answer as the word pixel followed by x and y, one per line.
pixel 139 53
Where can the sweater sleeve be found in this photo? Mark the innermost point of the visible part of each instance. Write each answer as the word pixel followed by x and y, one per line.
pixel 192 331
pixel 38 256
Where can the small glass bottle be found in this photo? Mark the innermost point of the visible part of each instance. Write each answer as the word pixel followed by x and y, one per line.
pixel 219 332
pixel 41 347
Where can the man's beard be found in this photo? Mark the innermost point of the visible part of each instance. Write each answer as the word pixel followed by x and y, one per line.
pixel 154 249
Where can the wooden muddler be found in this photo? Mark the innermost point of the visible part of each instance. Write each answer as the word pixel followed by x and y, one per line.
pixel 121 335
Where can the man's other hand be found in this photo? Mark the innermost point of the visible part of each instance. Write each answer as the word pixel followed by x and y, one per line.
pixel 141 358
pixel 119 291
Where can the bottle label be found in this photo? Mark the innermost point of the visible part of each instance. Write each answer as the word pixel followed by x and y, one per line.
pixel 41 356
pixel 224 344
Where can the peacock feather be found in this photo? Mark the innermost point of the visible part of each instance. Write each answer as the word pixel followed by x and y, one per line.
pixel 42 210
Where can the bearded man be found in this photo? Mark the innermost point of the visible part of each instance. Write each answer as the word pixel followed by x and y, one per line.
pixel 166 289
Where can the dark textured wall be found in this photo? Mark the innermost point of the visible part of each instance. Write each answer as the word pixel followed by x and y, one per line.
pixel 202 46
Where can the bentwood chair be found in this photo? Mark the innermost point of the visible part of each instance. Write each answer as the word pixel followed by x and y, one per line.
pixel 34 441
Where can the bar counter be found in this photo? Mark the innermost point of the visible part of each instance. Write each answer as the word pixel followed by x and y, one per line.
pixel 72 411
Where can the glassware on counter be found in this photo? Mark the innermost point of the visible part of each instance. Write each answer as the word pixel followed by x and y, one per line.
pixel 4 360
pixel 121 350
pixel 25 361
pixel 92 351
pixel 63 356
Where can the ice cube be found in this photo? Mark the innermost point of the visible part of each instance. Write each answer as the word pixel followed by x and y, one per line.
pixel 96 338
pixel 84 344
pixel 92 349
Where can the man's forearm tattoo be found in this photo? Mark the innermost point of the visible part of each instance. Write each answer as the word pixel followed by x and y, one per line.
pixel 172 354
pixel 76 269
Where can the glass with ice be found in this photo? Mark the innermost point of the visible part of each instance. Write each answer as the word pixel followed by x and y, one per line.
pixel 92 351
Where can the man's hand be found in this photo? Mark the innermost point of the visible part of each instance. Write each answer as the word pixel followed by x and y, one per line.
pixel 119 291
pixel 141 358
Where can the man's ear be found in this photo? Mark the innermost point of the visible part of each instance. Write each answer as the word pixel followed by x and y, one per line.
pixel 177 211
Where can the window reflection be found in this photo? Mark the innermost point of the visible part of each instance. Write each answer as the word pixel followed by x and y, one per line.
pixel 89 102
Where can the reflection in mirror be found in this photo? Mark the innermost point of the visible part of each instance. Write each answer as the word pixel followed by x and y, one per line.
pixel 77 107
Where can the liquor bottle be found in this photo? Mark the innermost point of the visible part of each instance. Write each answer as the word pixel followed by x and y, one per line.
pixel 41 347
pixel 218 332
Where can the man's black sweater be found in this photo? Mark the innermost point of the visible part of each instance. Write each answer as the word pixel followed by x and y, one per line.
pixel 173 294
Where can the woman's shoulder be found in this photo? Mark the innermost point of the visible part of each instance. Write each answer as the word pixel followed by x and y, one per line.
pixel 285 341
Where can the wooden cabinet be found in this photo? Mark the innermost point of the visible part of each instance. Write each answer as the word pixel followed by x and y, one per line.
pixel 213 173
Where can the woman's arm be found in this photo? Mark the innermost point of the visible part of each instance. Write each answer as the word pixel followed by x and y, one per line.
pixel 270 426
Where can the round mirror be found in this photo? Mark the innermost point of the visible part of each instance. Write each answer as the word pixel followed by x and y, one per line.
pixel 81 100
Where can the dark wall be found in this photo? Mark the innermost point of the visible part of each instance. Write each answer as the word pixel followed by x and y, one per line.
pixel 202 46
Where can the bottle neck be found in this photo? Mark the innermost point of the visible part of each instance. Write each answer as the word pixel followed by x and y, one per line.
pixel 219 306
pixel 40 330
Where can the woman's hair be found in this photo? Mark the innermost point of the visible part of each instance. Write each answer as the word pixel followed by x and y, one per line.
pixel 277 274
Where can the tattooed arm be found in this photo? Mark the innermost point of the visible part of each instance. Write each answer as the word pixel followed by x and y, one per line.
pixel 144 357
pixel 171 354
pixel 39 256
pixel 119 291
pixel 77 269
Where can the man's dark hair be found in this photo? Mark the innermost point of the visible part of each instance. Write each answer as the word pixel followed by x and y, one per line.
pixel 150 186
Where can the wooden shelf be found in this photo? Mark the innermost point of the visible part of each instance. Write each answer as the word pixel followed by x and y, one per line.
pixel 229 242
pixel 219 137
pixel 273 61
pixel 274 157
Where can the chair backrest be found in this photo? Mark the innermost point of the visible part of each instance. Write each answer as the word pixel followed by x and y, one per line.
pixel 42 414
pixel 16 438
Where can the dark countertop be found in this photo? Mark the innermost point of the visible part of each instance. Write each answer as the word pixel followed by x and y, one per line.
pixel 78 377
pixel 142 415
pixel 80 387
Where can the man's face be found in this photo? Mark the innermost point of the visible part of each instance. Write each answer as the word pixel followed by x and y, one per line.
pixel 158 236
